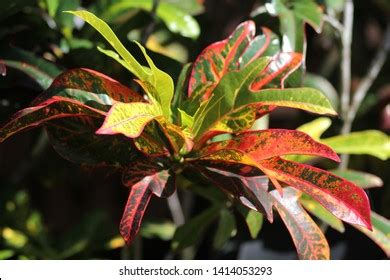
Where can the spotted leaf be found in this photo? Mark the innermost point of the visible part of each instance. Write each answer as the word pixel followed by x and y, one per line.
pixel 308 238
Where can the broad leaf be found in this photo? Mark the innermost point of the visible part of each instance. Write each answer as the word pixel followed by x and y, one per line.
pixel 380 233
pixel 129 119
pixel 316 127
pixel 321 213
pixel 342 198
pixel 309 240
pixel 160 180
pixel 160 80
pixel 54 108
pixel 362 179
pixel 192 231
pixel 370 142
pixel 175 19
pixel 225 230
pixel 137 202
pixel 234 93
pixel 228 55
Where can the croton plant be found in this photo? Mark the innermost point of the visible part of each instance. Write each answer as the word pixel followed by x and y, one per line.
pixel 203 129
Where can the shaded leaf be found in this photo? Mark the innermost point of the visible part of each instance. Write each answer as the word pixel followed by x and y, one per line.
pixel 137 202
pixel 159 179
pixel 54 108
pixel 370 142
pixel 362 179
pixel 128 119
pixel 380 233
pixel 342 198
pixel 225 230
pixel 253 220
pixel 192 231
pixel 163 230
pixel 308 239
pixel 321 213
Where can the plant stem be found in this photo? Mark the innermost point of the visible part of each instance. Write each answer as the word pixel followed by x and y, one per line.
pixel 176 209
pixel 362 89
pixel 346 39
pixel 150 27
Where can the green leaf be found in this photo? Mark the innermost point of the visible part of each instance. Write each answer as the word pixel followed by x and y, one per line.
pixel 52 6
pixel 173 16
pixel 253 219
pixel 321 213
pixel 380 233
pixel 308 239
pixel 160 80
pixel 322 84
pixel 234 92
pixel 369 142
pixel 129 119
pixel 362 179
pixel 14 238
pixel 6 254
pixel 163 230
pixel 40 70
pixel 185 119
pixel 316 127
pixel 192 231
pixel 225 230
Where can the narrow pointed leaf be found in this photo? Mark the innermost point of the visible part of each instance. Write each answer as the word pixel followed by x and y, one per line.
pixel 89 87
pixel 137 202
pixel 225 230
pixel 250 191
pixel 380 233
pixel 128 119
pixel 342 198
pixel 362 179
pixel 54 108
pixel 253 220
pixel 225 56
pixel 316 127
pixel 308 238
pixel 321 213
pixel 370 142
pixel 160 180
pixel 193 230
pixel 269 143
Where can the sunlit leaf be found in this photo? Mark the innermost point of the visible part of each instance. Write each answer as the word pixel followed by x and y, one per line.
pixel 309 240
pixel 342 198
pixel 316 127
pixel 129 119
pixel 370 142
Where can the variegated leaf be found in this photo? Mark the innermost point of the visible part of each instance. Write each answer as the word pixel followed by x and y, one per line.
pixel 308 238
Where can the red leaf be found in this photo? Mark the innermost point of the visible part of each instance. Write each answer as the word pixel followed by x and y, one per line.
pixel 233 53
pixel 137 202
pixel 251 191
pixel 96 87
pixel 269 143
pixel 342 198
pixel 54 108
